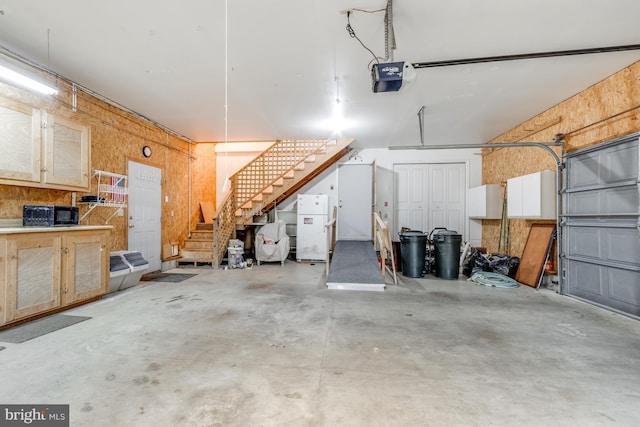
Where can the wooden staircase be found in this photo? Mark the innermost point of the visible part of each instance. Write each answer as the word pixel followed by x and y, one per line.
pixel 273 176
pixel 198 248
pixel 279 172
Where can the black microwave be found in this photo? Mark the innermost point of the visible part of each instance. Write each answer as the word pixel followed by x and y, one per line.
pixel 49 215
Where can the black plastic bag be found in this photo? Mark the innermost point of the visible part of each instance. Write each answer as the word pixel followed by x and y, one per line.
pixel 474 262
pixel 502 264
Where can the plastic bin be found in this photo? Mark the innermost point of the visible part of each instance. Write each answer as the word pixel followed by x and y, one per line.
pixel 137 266
pixel 413 246
pixel 447 253
pixel 234 257
pixel 118 271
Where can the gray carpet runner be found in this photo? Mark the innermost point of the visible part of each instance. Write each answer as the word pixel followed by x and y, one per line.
pixel 354 266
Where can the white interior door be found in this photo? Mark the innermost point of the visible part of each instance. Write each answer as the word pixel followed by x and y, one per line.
pixel 447 196
pixel 412 194
pixel 145 194
pixel 355 201
pixel 429 196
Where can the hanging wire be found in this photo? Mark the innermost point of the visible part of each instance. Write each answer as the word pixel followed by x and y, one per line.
pixel 353 35
pixel 225 185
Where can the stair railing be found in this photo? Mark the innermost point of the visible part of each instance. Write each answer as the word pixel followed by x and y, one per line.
pixel 274 163
pixel 224 227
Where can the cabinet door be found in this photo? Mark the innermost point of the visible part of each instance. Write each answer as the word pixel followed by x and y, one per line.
pixel 514 197
pixel 33 274
pixel 532 193
pixel 3 280
pixel 66 156
pixel 19 142
pixel 85 266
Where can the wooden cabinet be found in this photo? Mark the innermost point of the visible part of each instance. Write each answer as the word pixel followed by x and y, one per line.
pixel 85 266
pixel 20 141
pixel 38 149
pixel 44 270
pixel 532 196
pixel 485 202
pixel 66 153
pixel 32 274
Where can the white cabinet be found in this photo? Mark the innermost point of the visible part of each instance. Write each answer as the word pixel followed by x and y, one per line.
pixel 485 202
pixel 41 150
pixel 532 196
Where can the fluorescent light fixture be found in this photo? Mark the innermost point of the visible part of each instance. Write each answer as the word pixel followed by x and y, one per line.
pixel 26 82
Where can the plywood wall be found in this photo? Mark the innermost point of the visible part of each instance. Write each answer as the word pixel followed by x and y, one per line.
pixel 204 179
pixel 117 137
pixel 604 111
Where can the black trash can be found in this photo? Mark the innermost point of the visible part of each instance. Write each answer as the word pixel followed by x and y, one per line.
pixel 413 245
pixel 447 253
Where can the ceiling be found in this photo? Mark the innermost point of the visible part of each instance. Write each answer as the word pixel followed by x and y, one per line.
pixel 289 60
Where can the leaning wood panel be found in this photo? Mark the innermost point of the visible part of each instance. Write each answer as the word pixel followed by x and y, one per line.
pixel 534 255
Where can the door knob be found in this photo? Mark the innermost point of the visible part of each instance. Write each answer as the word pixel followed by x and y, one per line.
pixel 131 225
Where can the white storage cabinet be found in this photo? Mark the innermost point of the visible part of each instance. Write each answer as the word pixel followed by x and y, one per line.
pixel 532 196
pixel 485 202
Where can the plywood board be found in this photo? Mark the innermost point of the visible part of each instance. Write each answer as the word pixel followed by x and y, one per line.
pixel 535 254
pixel 207 212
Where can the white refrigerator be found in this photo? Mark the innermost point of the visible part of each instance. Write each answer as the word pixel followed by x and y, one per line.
pixel 311 237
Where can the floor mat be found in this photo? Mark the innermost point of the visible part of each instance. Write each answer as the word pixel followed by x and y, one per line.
pixel 38 328
pixel 166 277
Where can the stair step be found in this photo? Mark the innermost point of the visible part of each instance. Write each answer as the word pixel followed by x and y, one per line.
pixel 289 175
pixel 204 226
pixel 300 167
pixel 202 235
pixel 268 190
pixel 190 244
pixel 196 255
pixel 310 159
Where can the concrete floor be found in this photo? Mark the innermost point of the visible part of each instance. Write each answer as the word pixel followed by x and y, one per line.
pixel 272 346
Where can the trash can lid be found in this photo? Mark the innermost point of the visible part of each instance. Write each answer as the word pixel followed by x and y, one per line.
pixel 412 236
pixel 446 232
pixel 411 233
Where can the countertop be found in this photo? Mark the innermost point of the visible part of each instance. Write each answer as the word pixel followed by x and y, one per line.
pixel 18 230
